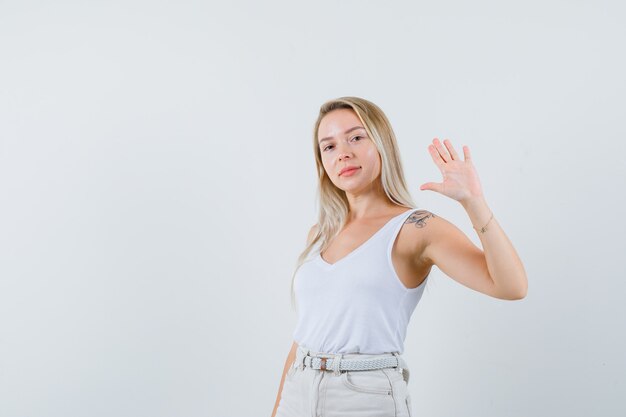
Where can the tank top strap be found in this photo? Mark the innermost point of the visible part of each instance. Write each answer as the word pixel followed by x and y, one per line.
pixel 394 230
pixel 399 221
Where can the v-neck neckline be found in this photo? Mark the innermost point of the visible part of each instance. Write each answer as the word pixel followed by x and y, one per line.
pixel 362 245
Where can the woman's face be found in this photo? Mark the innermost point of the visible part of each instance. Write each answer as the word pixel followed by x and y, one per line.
pixel 343 142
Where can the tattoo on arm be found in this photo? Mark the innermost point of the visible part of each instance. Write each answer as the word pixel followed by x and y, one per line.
pixel 419 218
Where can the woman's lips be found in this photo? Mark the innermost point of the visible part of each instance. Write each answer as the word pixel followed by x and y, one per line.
pixel 349 172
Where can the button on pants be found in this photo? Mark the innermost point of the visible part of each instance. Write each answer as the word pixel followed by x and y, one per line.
pixel 311 392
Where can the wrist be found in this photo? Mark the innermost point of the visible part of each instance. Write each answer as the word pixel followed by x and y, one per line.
pixel 474 203
pixel 479 213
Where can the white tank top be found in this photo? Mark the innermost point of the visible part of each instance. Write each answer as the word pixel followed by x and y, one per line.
pixel 358 304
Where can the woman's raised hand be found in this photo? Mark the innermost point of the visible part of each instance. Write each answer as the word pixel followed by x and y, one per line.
pixel 460 179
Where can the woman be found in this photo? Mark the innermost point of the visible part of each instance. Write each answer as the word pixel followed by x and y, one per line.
pixel 372 253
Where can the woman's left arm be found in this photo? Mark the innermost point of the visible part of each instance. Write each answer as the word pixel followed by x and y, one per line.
pixel 497 269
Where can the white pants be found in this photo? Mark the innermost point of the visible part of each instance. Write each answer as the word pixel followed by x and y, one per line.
pixel 316 393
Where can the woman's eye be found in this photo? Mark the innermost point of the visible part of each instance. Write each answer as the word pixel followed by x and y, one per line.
pixel 330 146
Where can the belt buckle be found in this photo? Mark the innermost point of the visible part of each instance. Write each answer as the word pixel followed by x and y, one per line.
pixel 323 364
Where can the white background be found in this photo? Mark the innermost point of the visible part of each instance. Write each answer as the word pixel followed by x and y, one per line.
pixel 157 182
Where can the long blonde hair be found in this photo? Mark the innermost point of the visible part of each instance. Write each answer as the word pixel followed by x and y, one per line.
pixel 333 203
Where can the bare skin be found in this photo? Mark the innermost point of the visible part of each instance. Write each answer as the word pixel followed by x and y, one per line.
pixel 425 239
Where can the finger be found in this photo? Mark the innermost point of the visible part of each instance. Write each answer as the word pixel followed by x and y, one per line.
pixel 451 149
pixel 431 186
pixel 442 152
pixel 436 156
pixel 466 153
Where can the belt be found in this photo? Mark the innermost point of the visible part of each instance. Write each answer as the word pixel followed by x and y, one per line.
pixel 353 364
pixel 337 363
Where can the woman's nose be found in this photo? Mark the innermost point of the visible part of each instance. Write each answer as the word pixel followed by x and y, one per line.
pixel 344 150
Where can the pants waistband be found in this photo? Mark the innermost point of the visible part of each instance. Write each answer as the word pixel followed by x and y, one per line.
pixel 302 353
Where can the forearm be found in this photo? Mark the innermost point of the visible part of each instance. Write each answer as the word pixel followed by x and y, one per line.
pixel 288 362
pixel 504 265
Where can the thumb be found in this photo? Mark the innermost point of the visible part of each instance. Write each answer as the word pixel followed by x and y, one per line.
pixel 432 186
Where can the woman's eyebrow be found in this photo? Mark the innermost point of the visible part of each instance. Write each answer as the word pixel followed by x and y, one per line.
pixel 346 132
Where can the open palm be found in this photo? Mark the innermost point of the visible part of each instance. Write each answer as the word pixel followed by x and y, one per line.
pixel 460 179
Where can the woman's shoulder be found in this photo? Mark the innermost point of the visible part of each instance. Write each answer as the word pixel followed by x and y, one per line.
pixel 416 232
pixel 427 223
pixel 420 217
pixel 428 230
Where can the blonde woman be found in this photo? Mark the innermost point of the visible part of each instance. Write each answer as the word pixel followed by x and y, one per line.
pixel 367 261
